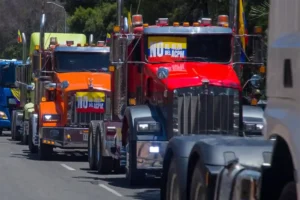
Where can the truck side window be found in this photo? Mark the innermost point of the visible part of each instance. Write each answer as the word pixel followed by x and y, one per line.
pixel 136 54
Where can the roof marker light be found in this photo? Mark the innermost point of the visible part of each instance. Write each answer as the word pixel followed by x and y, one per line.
pixel 53 40
pixel 145 25
pixel 116 29
pixel 206 21
pixel 222 20
pixel 196 24
pixel 162 22
pixel 185 24
pixel 79 45
pixel 257 29
pixel 137 20
pixel 100 44
pixel 70 43
pixel 176 24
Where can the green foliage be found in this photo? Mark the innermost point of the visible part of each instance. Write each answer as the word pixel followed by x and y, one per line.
pixel 13 51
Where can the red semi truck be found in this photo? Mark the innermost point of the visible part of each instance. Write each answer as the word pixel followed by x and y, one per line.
pixel 167 80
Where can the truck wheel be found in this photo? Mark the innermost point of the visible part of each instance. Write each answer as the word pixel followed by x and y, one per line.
pixel 289 192
pixel 17 133
pixel 104 164
pixel 44 151
pixel 1 132
pixel 172 190
pixel 198 188
pixel 32 148
pixel 92 146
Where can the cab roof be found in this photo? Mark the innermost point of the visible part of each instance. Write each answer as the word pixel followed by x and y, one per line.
pixel 82 49
pixel 61 39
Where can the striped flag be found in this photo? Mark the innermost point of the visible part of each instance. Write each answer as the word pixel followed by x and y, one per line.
pixel 242 30
pixel 19 37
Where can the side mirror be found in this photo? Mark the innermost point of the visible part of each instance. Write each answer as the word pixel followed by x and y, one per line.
pixel 162 73
pixel 255 81
pixel 30 87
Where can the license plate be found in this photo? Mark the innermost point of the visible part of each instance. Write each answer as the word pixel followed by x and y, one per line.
pixel 85 136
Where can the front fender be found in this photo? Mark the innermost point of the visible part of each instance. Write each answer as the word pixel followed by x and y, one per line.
pixel 135 113
pixel 51 107
pixel 179 148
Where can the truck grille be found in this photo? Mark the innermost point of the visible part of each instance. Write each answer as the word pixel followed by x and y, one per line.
pixel 198 110
pixel 78 118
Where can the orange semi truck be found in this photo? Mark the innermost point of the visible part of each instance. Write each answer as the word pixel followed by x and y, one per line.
pixel 72 87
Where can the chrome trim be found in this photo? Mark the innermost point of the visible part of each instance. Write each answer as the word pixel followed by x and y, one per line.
pixel 148 160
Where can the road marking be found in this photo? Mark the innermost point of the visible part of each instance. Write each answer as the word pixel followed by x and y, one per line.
pixel 110 190
pixel 67 167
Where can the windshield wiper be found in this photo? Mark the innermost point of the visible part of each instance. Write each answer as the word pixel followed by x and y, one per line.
pixel 193 59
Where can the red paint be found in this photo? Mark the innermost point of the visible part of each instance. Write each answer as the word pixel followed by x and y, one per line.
pixel 187 74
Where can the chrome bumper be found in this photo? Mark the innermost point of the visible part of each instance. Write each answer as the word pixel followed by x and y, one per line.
pixel 150 154
pixel 65 137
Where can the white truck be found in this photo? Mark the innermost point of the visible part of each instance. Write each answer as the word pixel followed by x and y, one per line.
pixel 279 179
pixel 227 168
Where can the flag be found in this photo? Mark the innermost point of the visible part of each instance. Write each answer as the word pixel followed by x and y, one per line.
pixel 129 21
pixel 19 37
pixel 242 30
pixel 107 38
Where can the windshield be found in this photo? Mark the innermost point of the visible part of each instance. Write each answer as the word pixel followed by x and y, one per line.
pixel 80 61
pixel 202 48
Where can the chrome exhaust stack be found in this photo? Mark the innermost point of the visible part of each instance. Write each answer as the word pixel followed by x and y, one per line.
pixel 42 32
pixel 24 56
pixel 91 39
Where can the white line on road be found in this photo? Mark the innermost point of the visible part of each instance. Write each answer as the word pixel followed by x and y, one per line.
pixel 110 190
pixel 67 167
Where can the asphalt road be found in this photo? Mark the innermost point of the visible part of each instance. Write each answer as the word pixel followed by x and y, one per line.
pixel 65 177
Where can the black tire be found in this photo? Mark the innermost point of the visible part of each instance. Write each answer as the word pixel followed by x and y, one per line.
pixel 17 133
pixel 92 145
pixel 1 132
pixel 198 187
pixel 32 148
pixel 133 175
pixel 44 151
pixel 104 164
pixel 289 192
pixel 172 188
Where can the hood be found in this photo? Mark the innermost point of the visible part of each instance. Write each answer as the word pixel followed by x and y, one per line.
pixel 81 80
pixel 189 74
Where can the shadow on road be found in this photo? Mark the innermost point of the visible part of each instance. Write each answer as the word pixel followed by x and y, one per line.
pixel 69 156
pixel 146 195
pixel 151 186
pixel 118 180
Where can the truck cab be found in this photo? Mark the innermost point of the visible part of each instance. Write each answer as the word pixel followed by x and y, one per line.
pixel 9 94
pixel 282 113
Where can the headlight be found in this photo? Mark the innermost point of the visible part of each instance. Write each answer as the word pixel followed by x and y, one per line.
pixel 253 127
pixel 148 127
pixel 51 118
pixel 3 115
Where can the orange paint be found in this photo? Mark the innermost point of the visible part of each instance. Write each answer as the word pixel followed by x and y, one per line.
pixel 80 80
pixel 51 107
